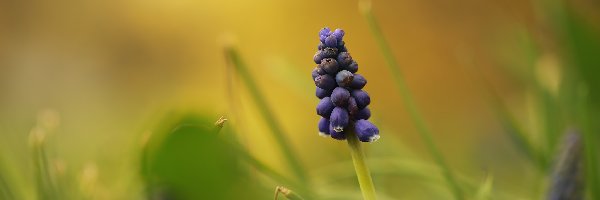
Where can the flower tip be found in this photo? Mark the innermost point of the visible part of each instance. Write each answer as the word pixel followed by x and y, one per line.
pixel 325 135
pixel 338 129
pixel 374 138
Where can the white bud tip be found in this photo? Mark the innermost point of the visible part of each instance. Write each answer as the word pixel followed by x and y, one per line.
pixel 338 129
pixel 374 138
pixel 323 134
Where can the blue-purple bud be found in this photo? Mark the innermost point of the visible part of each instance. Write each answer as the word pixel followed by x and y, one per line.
pixel 322 93
pixel 336 135
pixel 364 113
pixel 344 59
pixel 321 46
pixel 365 131
pixel 317 71
pixel 324 127
pixel 331 41
pixel 342 47
pixel 340 96
pixel 352 107
pixel 352 67
pixel 329 65
pixel 358 82
pixel 361 97
pixel 338 34
pixel 326 82
pixel 324 33
pixel 325 107
pixel 344 78
pixel 339 119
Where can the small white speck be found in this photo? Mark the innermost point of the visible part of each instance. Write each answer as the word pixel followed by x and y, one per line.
pixel 374 138
pixel 323 134
pixel 338 129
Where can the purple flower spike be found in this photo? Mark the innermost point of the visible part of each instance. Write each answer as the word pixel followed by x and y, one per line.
pixel 325 82
pixel 325 107
pixel 353 67
pixel 331 41
pixel 340 96
pixel 344 78
pixel 337 135
pixel 364 113
pixel 344 59
pixel 329 65
pixel 358 82
pixel 366 131
pixel 324 127
pixel 352 107
pixel 321 93
pixel 343 102
pixel 339 119
pixel 339 34
pixel 361 97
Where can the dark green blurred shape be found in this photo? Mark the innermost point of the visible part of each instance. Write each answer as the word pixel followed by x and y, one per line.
pixel 185 158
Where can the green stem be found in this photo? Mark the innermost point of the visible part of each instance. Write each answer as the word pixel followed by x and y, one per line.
pixel 407 98
pixel 360 166
pixel 265 111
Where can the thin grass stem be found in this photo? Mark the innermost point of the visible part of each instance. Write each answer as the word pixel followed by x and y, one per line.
pixel 408 101
pixel 276 130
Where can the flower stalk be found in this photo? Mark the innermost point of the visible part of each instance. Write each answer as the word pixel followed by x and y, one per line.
pixel 360 166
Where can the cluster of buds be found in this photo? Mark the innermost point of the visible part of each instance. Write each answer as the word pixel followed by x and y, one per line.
pixel 343 104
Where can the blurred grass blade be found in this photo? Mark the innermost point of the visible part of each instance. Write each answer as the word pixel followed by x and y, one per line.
pixel 590 140
pixel 485 189
pixel 515 132
pixel 240 67
pixel 46 188
pixel 6 191
pixel 407 99
pixel 567 176
pixel 243 153
pixel 289 194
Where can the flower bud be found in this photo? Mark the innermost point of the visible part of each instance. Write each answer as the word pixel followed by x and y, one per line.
pixel 338 34
pixel 342 47
pixel 352 107
pixel 317 71
pixel 325 82
pixel 344 78
pixel 361 97
pixel 344 59
pixel 352 67
pixel 331 41
pixel 329 65
pixel 340 96
pixel 325 107
pixel 364 113
pixel 324 33
pixel 336 135
pixel 358 82
pixel 329 52
pixel 339 119
pixel 321 46
pixel 365 131
pixel 322 93
pixel 324 127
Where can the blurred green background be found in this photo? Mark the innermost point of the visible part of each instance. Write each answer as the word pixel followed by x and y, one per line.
pixel 109 82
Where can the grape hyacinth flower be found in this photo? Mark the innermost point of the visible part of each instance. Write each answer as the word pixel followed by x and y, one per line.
pixel 343 103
